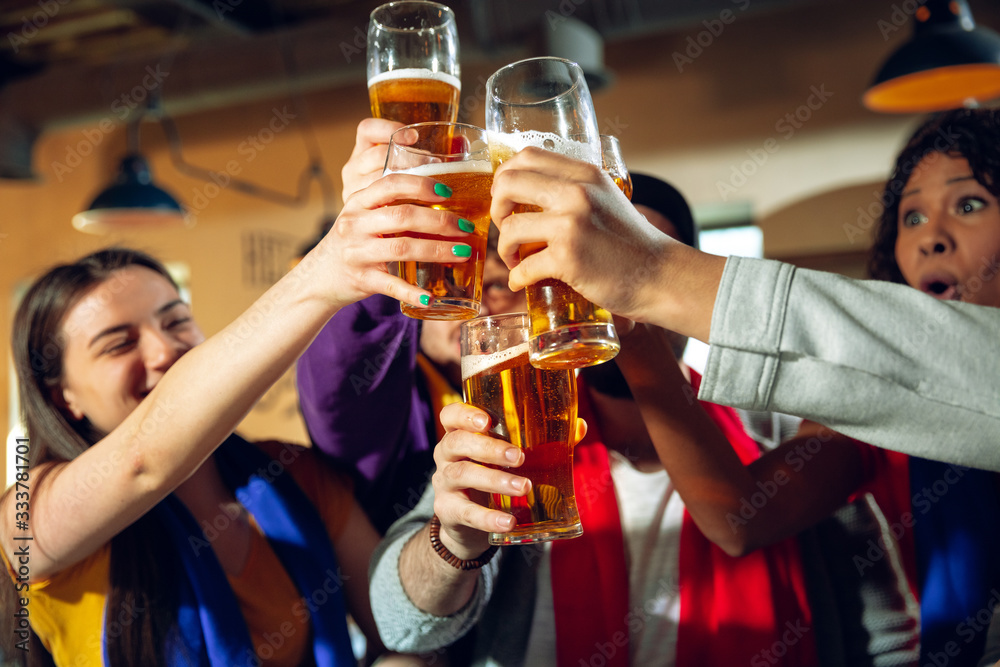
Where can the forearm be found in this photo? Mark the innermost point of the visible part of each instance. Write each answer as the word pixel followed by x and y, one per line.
pixel 402 623
pixel 701 463
pixel 210 389
pixel 680 289
pixel 192 409
pixel 433 585
pixel 863 357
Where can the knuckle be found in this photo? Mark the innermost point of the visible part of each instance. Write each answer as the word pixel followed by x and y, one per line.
pixel 454 471
pixel 399 246
pixel 444 219
pixel 396 214
pixel 467 515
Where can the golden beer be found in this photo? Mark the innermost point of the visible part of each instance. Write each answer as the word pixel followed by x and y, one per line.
pixel 614 164
pixel 456 287
pixel 624 184
pixel 414 96
pixel 535 410
pixel 567 330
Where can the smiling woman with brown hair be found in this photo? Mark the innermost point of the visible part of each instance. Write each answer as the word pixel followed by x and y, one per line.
pixel 157 536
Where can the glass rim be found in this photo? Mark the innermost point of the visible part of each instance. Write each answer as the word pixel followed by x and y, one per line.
pixel 440 123
pixel 446 11
pixel 573 65
pixel 495 319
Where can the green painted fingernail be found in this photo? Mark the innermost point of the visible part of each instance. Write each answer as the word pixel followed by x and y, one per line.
pixel 442 190
pixel 424 299
pixel 466 226
pixel 461 250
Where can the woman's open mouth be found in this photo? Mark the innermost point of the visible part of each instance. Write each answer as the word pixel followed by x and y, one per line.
pixel 941 287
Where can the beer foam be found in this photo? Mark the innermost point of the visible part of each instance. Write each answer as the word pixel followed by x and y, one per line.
pixel 416 73
pixel 473 364
pixel 515 141
pixel 440 168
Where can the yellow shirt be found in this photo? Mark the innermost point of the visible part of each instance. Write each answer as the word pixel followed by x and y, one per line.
pixel 67 610
pixel 440 390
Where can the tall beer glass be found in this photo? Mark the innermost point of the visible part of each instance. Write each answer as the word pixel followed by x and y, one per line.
pixel 614 164
pixel 535 410
pixel 413 70
pixel 545 102
pixel 457 155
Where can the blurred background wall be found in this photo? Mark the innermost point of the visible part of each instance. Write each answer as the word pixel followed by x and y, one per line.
pixel 752 109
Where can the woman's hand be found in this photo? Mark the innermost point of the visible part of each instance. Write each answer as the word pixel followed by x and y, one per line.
pixel 462 481
pixel 371 144
pixel 350 262
pixel 594 239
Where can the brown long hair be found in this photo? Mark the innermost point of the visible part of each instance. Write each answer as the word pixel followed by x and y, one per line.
pixel 970 133
pixel 141 598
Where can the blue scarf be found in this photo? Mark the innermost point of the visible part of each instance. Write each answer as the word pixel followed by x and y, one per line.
pixel 958 559
pixel 210 629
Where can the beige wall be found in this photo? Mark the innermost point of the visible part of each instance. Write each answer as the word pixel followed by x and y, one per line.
pixel 696 124
pixel 35 231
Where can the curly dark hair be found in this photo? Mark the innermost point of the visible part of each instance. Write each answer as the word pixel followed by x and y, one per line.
pixel 970 133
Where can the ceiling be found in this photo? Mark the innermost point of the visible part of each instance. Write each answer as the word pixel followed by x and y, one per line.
pixel 66 61
pixel 83 62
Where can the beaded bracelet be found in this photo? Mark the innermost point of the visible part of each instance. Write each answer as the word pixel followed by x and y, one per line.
pixel 441 550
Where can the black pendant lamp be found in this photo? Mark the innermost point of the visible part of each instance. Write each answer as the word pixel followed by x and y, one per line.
pixel 948 63
pixel 132 202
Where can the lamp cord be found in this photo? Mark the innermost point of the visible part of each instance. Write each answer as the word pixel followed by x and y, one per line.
pixel 314 171
pixel 298 200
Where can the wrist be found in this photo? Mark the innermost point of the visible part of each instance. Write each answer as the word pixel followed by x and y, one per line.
pixel 681 297
pixel 455 556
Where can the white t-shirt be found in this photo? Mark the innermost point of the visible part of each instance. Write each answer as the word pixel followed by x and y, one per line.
pixel 651 515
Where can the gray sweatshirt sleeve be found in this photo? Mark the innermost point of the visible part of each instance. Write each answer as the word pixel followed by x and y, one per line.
pixel 401 624
pixel 880 362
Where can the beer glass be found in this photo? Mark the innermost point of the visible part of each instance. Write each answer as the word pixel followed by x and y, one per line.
pixel 413 70
pixel 457 155
pixel 545 102
pixel 614 164
pixel 533 409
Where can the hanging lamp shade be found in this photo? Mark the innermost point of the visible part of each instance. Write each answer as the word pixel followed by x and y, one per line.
pixel 949 62
pixel 132 202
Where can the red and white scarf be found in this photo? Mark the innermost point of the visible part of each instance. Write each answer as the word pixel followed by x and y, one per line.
pixel 732 610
